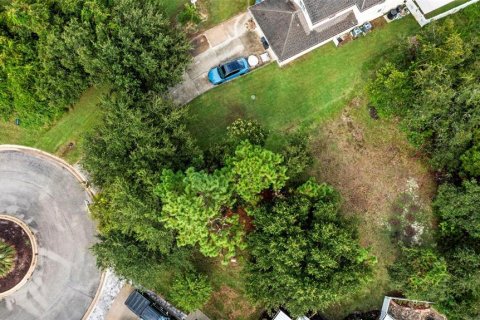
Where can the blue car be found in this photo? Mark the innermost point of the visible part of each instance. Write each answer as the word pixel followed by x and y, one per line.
pixel 228 71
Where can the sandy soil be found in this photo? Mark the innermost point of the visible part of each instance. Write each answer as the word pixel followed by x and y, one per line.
pixel 369 161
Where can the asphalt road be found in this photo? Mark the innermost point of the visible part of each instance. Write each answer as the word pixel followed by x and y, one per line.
pixel 49 199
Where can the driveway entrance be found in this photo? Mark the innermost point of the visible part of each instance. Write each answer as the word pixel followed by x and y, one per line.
pixel 226 41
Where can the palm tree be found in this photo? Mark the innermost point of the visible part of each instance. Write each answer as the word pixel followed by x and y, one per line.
pixel 7 258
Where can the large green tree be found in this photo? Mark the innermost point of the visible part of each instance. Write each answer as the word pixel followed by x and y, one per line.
pixel 132 260
pixel 304 255
pixel 421 274
pixel 437 94
pixel 255 169
pixel 195 205
pixel 201 207
pixel 50 51
pixel 125 156
pixel 139 135
pixel 458 210
pixel 132 45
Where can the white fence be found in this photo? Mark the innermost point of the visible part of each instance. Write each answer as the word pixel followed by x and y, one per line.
pixel 422 20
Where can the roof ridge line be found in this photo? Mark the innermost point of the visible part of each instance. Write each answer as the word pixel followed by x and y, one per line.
pixel 272 10
pixel 289 28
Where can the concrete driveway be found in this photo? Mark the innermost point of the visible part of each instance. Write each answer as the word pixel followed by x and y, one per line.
pixel 228 40
pixel 51 201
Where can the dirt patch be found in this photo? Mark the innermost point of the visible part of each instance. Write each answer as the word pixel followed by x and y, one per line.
pixel 228 304
pixel 251 41
pixel 379 22
pixel 66 148
pixel 368 161
pixel 236 112
pixel 14 235
pixel 245 220
pixel 199 45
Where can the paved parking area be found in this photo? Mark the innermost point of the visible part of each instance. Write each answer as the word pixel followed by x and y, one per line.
pixel 226 41
pixel 118 310
pixel 51 201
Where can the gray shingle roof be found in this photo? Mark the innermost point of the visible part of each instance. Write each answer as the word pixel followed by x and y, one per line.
pixel 319 10
pixel 282 24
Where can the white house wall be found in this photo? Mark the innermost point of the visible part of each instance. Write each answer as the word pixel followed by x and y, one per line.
pixel 305 13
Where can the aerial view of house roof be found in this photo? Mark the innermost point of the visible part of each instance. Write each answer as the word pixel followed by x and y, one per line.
pixel 287 31
pixel 319 10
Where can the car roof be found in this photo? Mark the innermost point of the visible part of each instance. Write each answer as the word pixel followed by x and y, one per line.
pixel 151 313
pixel 232 66
pixel 137 302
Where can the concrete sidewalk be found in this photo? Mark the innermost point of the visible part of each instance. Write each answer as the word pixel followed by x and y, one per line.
pixel 226 41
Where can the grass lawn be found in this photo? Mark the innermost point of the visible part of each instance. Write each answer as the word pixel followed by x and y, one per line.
pixel 172 7
pixel 302 94
pixel 67 130
pixel 216 11
pixel 221 10
pixel 228 301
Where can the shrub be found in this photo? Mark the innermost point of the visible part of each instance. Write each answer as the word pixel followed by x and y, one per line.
pixel 190 13
pixel 7 258
pixel 250 130
pixel 421 274
pixel 190 292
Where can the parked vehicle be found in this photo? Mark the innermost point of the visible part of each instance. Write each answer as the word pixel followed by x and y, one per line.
pixel 228 71
pixel 145 308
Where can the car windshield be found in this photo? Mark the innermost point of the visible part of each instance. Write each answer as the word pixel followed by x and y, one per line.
pixel 222 71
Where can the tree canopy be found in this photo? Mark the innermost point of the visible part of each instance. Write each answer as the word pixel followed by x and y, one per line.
pixel 200 206
pixel 139 135
pixel 436 92
pixel 433 86
pixel 53 50
pixel 125 156
pixel 305 256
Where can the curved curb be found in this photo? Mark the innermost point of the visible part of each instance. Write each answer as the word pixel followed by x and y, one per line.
pixel 65 165
pixel 81 179
pixel 33 263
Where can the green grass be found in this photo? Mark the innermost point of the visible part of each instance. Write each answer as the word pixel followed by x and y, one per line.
pixel 172 7
pixel 228 300
pixel 70 128
pixel 217 10
pixel 221 10
pixel 302 94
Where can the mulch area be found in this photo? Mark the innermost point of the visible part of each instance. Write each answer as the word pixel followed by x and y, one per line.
pixel 199 45
pixel 14 235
